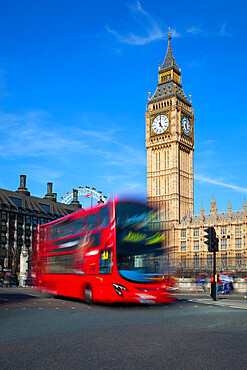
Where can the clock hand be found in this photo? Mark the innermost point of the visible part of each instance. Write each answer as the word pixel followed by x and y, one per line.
pixel 160 123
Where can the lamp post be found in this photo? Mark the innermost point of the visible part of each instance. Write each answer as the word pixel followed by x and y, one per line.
pixel 24 265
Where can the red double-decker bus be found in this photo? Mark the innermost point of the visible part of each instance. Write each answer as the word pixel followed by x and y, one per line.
pixel 110 253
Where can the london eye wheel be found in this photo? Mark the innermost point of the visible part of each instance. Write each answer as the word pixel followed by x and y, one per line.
pixel 87 192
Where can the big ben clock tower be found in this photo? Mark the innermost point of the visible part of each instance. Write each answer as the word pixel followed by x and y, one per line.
pixel 170 145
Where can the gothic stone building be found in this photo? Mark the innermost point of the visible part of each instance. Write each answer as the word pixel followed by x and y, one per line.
pixel 170 177
pixel 230 227
pixel 21 213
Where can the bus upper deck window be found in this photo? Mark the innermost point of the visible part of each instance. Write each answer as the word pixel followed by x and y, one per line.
pixel 104 217
pixel 93 221
pixel 83 224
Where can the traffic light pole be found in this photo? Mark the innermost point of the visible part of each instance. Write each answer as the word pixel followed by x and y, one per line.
pixel 213 284
pixel 213 245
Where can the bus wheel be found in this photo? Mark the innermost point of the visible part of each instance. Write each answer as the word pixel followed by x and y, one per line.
pixel 88 295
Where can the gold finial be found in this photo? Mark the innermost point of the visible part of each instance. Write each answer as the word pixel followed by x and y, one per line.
pixel 169 34
pixel 190 98
pixel 149 95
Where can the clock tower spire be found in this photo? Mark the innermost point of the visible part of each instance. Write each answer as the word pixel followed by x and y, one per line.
pixel 170 145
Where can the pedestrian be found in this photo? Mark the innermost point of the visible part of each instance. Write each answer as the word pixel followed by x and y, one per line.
pixel 1 278
pixel 198 283
pixel 225 283
pixel 7 278
pixel 230 284
pixel 203 284
pixel 218 284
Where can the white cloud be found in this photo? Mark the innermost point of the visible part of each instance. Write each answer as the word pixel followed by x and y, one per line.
pixel 198 31
pixel 37 142
pixel 116 153
pixel 194 30
pixel 151 28
pixel 132 39
pixel 33 134
pixel 206 179
pixel 175 34
pixel 223 31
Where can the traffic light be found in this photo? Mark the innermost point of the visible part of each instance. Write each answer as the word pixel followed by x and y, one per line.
pixel 208 236
pixel 212 241
pixel 215 245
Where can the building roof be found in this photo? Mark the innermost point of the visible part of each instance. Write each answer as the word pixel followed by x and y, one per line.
pixel 167 90
pixel 172 87
pixel 207 217
pixel 43 207
pixel 169 61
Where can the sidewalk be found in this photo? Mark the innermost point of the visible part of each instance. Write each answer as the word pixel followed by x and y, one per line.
pixel 234 300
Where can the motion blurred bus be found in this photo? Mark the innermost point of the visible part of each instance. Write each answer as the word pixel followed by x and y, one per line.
pixel 111 253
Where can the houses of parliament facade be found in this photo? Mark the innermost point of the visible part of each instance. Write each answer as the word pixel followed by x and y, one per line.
pixel 170 177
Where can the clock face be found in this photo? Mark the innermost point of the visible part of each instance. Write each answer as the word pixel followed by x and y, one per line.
pixel 160 124
pixel 186 126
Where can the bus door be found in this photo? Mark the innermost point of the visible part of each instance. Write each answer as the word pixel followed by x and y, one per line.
pixel 105 261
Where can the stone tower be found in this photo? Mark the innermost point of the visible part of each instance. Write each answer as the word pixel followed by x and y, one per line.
pixel 170 145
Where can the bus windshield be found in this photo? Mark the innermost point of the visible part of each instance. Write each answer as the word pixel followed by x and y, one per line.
pixel 138 244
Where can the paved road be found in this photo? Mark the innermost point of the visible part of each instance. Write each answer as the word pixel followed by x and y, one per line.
pixel 236 300
pixel 40 332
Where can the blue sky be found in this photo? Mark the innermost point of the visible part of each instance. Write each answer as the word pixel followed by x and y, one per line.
pixel 74 82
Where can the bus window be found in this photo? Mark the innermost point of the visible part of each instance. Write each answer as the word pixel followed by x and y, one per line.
pixel 58 230
pixel 69 228
pixel 61 263
pixel 105 261
pixel 104 217
pixel 93 221
pixel 82 225
pixel 76 226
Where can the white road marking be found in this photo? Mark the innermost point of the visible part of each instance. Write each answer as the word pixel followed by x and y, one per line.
pixel 241 308
pixel 217 303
